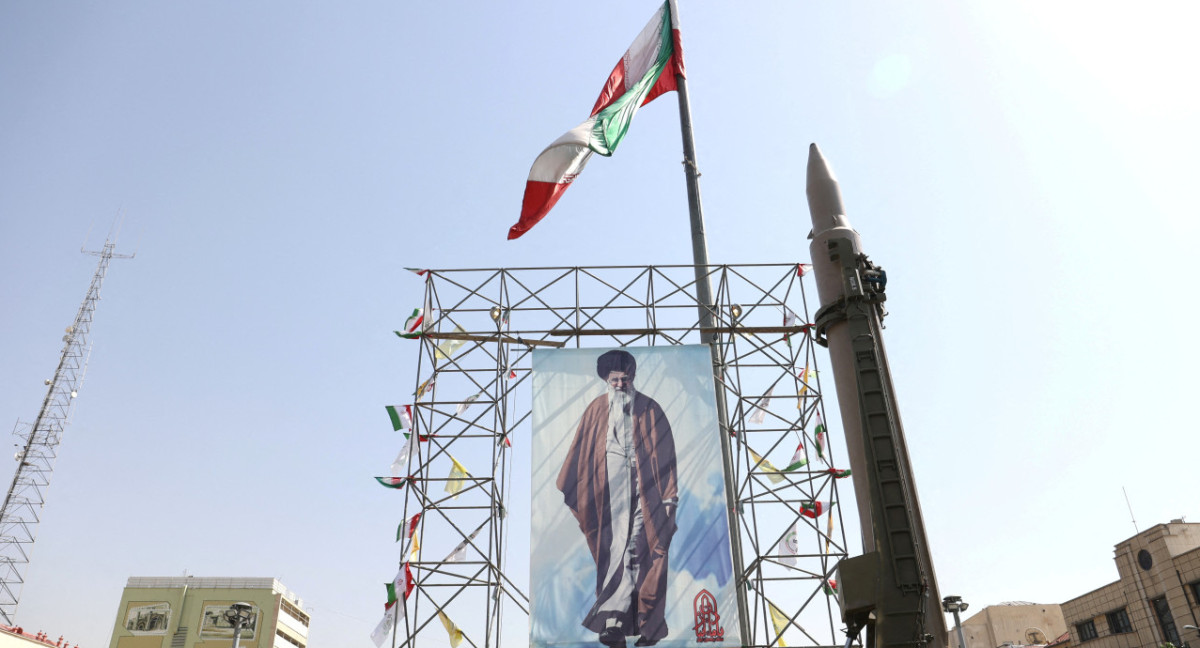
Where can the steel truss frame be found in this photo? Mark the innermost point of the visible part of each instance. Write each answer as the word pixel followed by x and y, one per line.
pixel 20 513
pixel 473 399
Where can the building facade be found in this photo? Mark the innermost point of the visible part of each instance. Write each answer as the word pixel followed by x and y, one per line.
pixel 188 612
pixel 1013 624
pixel 1154 599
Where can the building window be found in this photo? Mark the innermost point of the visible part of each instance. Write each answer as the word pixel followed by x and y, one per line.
pixel 1118 622
pixel 281 635
pixel 1165 620
pixel 1086 630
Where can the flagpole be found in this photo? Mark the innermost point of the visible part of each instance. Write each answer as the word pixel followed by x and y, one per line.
pixel 706 307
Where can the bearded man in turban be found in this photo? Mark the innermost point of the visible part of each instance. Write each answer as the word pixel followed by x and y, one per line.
pixel 619 482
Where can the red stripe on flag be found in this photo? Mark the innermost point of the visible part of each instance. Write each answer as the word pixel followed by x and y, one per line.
pixel 666 81
pixel 540 198
pixel 614 87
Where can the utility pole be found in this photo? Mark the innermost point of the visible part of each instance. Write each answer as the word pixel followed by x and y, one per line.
pixel 39 443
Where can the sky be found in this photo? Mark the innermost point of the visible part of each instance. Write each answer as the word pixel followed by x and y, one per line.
pixel 1024 172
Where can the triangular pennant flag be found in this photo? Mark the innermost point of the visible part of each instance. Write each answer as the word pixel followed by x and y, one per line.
pixel 838 474
pixel 504 438
pixel 400 465
pixel 418 271
pixel 804 377
pixel 424 387
pixel 380 634
pixel 828 533
pixel 408 527
pixel 789 546
pixel 647 70
pixel 456 635
pixel 413 326
pixel 416 547
pixel 780 621
pixel 819 434
pixel 813 508
pixel 830 587
pixel 457 479
pixel 803 269
pixel 394 482
pixel 459 554
pixel 462 407
pixel 404 582
pixel 798 459
pixel 401 416
pixel 789 319
pixel 760 408
pixel 772 471
pixel 447 348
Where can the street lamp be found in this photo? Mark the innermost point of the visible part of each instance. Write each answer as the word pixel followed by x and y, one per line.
pixel 953 605
pixel 238 615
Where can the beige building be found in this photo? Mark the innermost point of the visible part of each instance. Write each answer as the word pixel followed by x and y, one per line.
pixel 1015 624
pixel 1154 599
pixel 188 612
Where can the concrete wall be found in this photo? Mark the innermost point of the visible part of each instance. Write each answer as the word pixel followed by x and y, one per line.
pixel 996 625
pixel 1174 553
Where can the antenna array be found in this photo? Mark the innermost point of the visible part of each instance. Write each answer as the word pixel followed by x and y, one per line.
pixel 38 445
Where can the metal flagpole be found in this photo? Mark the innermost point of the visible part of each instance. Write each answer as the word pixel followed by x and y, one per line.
pixel 706 308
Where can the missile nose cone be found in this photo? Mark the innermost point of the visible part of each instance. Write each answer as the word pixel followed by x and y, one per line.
pixel 824 194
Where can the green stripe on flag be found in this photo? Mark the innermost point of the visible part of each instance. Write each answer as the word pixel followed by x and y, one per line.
pixel 612 123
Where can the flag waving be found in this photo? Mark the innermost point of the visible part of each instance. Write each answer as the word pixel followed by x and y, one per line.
pixel 647 70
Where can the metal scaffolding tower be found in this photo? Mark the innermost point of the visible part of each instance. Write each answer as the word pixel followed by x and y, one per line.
pixel 473 399
pixel 39 446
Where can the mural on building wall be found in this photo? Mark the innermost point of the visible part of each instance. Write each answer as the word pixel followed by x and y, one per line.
pixel 148 618
pixel 214 625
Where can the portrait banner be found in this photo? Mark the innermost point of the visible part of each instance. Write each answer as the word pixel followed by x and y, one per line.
pixel 630 538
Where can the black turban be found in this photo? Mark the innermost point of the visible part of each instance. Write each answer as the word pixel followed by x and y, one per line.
pixel 615 360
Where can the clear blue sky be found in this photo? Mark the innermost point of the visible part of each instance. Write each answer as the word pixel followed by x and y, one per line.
pixel 1024 171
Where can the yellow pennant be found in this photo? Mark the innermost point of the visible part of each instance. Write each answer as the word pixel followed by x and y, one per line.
pixel 456 635
pixel 781 622
pixel 457 479
pixel 448 347
pixel 772 471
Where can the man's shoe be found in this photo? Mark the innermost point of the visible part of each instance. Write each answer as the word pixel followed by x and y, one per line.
pixel 642 641
pixel 613 637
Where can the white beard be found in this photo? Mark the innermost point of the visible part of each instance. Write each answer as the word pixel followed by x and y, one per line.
pixel 618 403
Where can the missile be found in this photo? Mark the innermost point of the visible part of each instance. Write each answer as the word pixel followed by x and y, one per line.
pixel 891 589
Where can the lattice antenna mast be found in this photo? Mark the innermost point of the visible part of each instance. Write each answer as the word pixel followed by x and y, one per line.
pixel 39 443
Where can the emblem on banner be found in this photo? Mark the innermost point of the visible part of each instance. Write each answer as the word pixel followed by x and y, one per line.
pixel 708 620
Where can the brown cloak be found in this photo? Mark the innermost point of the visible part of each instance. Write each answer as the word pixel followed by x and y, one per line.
pixel 583 481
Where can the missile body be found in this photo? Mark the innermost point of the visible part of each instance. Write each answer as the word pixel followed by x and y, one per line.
pixel 891 590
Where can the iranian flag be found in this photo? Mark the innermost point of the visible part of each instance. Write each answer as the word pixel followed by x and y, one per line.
pixel 813 508
pixel 394 482
pixel 408 528
pixel 401 416
pixel 798 459
pixel 647 70
pixel 394 609
pixel 413 326
pixel 820 434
